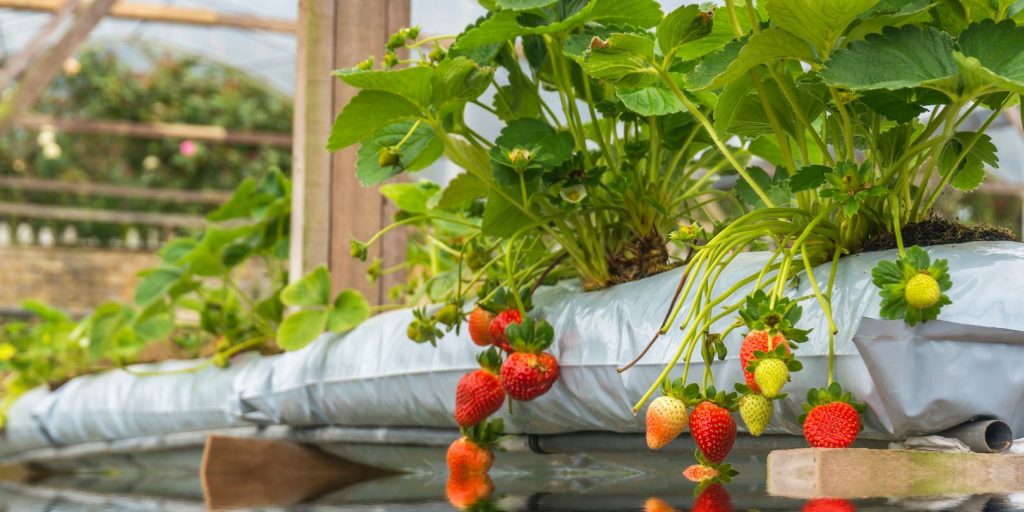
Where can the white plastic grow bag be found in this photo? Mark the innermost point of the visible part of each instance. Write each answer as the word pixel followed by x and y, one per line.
pixel 375 376
pixel 22 431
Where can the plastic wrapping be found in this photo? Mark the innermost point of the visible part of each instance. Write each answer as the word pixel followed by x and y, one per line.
pixel 22 431
pixel 376 376
pixel 118 404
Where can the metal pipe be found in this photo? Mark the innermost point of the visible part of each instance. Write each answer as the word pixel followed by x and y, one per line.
pixel 983 436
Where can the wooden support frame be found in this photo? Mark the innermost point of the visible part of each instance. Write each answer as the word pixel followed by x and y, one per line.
pixel 118 191
pixel 156 130
pixel 168 14
pixel 329 206
pixel 36 45
pixel 70 214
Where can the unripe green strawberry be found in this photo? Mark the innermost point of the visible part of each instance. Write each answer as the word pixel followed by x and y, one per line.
pixel 756 411
pixel 771 374
pixel 757 341
pixel 922 291
pixel 666 419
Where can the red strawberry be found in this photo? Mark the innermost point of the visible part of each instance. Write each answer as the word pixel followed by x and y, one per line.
pixel 479 393
pixel 479 326
pixel 713 429
pixel 464 491
pixel 757 341
pixel 714 498
pixel 471 453
pixel 832 419
pixel 829 505
pixel 529 372
pixel 498 325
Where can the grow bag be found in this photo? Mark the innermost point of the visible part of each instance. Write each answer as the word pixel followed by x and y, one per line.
pixel 22 431
pixel 375 376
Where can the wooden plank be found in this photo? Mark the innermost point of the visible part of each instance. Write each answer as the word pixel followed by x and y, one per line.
pixel 864 473
pixel 42 72
pixel 65 213
pixel 155 130
pixel 169 14
pixel 244 473
pixel 357 211
pixel 35 46
pixel 118 191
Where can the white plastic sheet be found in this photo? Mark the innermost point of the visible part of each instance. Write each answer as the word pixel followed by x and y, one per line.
pixel 22 431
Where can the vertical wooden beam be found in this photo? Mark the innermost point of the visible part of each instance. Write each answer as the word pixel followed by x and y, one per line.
pixel 330 207
pixel 36 45
pixel 39 76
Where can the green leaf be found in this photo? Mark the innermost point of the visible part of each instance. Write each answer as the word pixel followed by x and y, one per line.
pixel 155 283
pixel 502 218
pixel 411 83
pixel 624 58
pixel 350 309
pixel 914 12
pixel 174 250
pixel 722 33
pixel 522 5
pixel 411 197
pixel 419 150
pixel 458 80
pixel 467 156
pixel 366 113
pixel 550 148
pixel 894 105
pixel 910 56
pixel 312 289
pixel 970 173
pixel 993 51
pixel 651 100
pixel 154 327
pixel 44 311
pixel 820 22
pixel 765 46
pixel 301 328
pixel 729 103
pixel 775 187
pixel 685 24
pixel 462 190
pixel 713 65
pixel 808 178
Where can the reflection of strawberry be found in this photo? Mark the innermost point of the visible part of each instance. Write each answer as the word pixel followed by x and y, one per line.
pixel 700 473
pixel 479 326
pixel 464 491
pixel 713 498
pixel 713 429
pixel 498 325
pixel 829 505
pixel 529 372
pixel 471 453
pixel 658 505
pixel 479 393
pixel 757 341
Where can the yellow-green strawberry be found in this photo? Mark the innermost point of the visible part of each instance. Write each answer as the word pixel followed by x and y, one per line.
pixel 756 411
pixel 666 419
pixel 922 291
pixel 771 374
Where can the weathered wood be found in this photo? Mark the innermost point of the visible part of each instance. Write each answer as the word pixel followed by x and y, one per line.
pixel 35 46
pixel 168 220
pixel 863 473
pixel 156 130
pixel 168 14
pixel 43 71
pixel 118 191
pixel 330 207
pixel 243 473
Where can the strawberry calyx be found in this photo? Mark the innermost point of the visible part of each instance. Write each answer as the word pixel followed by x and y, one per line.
pixel 912 287
pixel 693 396
pixel 674 389
pixel 833 393
pixel 708 472
pixel 758 314
pixel 529 336
pixel 490 361
pixel 486 433
pixel 780 353
pixel 502 298
pixel 742 390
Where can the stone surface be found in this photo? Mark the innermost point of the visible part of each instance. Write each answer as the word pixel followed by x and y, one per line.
pixel 862 473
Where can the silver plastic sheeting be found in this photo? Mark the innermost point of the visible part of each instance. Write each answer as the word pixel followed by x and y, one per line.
pixel 375 376
pixel 118 404
pixel 22 431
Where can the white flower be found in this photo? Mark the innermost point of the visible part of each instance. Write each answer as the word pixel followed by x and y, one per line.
pixel 46 137
pixel 573 193
pixel 72 66
pixel 150 163
pixel 19 165
pixel 51 151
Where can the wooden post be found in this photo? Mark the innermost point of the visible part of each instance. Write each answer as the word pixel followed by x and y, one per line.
pixel 36 45
pixel 329 205
pixel 149 11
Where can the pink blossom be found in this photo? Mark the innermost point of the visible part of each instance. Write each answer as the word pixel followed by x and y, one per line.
pixel 187 148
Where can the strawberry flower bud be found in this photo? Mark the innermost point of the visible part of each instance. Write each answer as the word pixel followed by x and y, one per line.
pixel 358 249
pixel 388 157
pixel 520 158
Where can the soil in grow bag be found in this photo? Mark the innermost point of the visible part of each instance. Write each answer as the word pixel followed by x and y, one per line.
pixel 641 257
pixel 936 230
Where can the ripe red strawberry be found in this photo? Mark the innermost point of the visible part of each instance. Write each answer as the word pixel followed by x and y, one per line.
pixel 479 326
pixel 464 491
pixel 471 453
pixel 713 429
pixel 757 341
pixel 666 416
pixel 529 372
pixel 832 419
pixel 498 325
pixel 829 505
pixel 479 393
pixel 714 498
